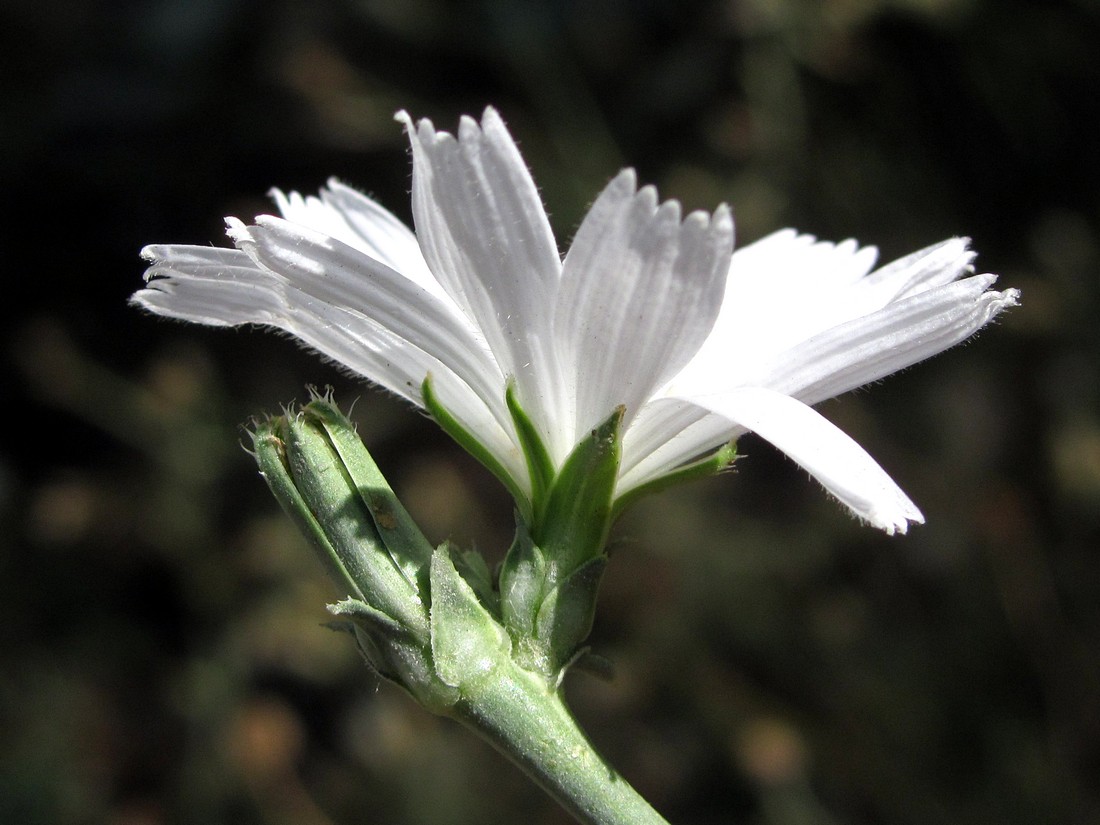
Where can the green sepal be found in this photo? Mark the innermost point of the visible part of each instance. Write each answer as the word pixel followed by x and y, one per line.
pixel 361 614
pixel 550 576
pixel 467 642
pixel 472 567
pixel 269 443
pixel 705 467
pixel 374 633
pixel 577 517
pixel 566 614
pixel 338 503
pixel 540 467
pixel 410 551
pixel 449 424
pixel 522 581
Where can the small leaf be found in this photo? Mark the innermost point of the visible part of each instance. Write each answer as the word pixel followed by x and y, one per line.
pixel 376 635
pixel 565 617
pixel 467 643
pixel 472 567
pixel 575 524
pixel 375 621
pixel 593 664
pixel 522 580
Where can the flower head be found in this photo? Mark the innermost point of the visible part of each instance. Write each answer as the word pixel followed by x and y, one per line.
pixel 479 319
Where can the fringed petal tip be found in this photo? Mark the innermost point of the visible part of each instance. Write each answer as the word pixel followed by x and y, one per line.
pixel 953 257
pixel 1007 298
pixel 404 118
pixel 893 517
pixel 626 181
pixel 992 302
pixel 874 499
pixel 490 121
pixel 951 247
pixel 237 231
pixel 722 221
pixel 140 300
pixel 880 503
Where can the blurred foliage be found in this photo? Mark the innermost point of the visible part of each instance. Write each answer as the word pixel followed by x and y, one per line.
pixel 162 659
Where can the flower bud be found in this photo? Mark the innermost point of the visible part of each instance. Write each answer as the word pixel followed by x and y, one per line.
pixel 325 479
pixel 552 572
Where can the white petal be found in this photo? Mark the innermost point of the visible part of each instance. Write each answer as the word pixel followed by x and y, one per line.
pixel 383 236
pixel 224 287
pixel 897 337
pixel 782 290
pixel 930 267
pixel 486 238
pixel 667 433
pixel 867 349
pixel 330 271
pixel 640 292
pixel 356 220
pixel 659 422
pixel 786 261
pixel 824 451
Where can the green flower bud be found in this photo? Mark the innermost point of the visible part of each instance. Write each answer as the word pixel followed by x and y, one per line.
pixel 325 479
pixel 550 577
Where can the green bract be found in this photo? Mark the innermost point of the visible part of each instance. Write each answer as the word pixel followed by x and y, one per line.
pixel 434 620
pixel 551 574
pixel 326 480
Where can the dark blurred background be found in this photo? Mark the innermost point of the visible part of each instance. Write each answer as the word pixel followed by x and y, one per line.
pixel 162 658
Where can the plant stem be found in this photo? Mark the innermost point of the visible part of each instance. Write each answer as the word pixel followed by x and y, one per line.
pixel 528 721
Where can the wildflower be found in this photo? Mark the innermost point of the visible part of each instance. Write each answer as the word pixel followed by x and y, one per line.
pixel 478 319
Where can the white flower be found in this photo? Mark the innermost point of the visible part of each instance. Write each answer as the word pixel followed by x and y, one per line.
pixel 648 310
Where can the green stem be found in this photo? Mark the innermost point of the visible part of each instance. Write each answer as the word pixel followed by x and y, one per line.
pixel 528 721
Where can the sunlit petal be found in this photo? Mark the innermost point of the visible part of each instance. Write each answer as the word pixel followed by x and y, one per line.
pixel 824 451
pixel 898 336
pixel 225 287
pixel 638 276
pixel 334 273
pixel 349 216
pixel 485 235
